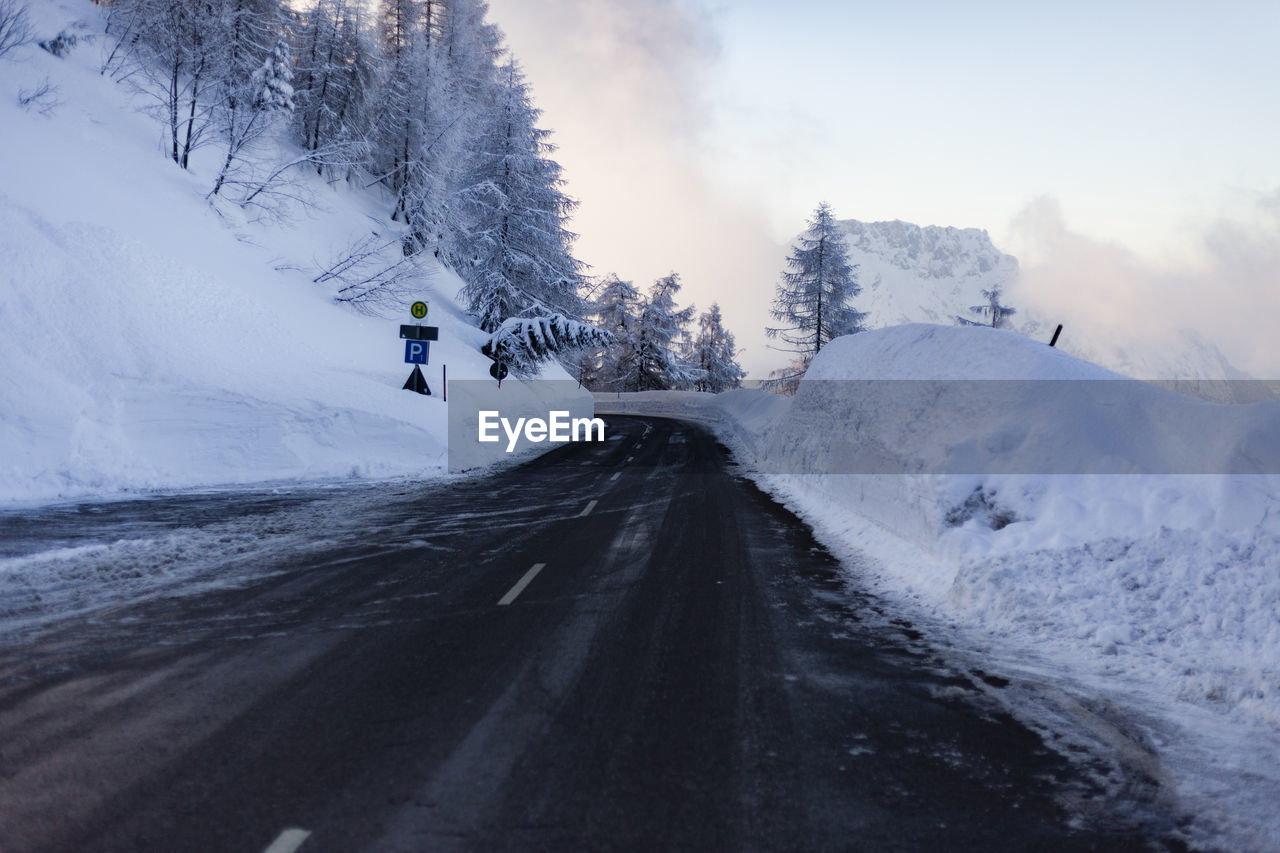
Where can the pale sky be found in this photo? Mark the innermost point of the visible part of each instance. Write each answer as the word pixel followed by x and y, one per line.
pixel 699 135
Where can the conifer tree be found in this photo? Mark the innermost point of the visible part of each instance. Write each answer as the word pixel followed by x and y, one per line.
pixel 336 74
pixel 511 245
pixel 614 367
pixel 992 311
pixel 661 338
pixel 180 50
pixel 715 354
pixel 813 297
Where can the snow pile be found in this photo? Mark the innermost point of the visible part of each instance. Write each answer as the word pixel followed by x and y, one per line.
pixel 1180 568
pixel 151 342
pixel 1180 573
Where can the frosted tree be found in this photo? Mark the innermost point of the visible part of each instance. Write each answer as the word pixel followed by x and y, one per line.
pixel 992 311
pixel 15 25
pixel 248 30
pixel 715 354
pixel 458 95
pixel 511 245
pixel 397 122
pixel 336 72
pixel 179 50
pixel 407 116
pixel 661 340
pixel 252 111
pixel 614 367
pixel 273 81
pixel 813 297
pixel 199 62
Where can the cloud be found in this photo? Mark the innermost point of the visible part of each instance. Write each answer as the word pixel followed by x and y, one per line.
pixel 622 85
pixel 1228 292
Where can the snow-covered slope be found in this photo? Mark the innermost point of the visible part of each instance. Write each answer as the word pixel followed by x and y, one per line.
pixel 911 274
pixel 152 342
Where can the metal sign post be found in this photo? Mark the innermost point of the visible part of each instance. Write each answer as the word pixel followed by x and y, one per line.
pixel 498 370
pixel 417 348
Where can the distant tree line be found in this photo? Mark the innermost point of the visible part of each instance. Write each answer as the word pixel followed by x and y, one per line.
pixel 654 345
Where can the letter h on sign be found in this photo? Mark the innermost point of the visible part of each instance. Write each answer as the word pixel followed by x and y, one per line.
pixel 416 352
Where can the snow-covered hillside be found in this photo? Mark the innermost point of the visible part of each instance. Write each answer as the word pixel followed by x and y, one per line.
pixel 151 341
pixel 911 274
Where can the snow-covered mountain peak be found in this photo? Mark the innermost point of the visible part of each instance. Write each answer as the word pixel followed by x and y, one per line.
pixel 932 251
pixel 934 274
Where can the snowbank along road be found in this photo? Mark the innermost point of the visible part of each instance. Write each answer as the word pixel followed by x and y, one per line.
pixel 617 645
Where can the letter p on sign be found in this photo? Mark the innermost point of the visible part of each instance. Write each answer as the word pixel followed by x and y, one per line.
pixel 416 352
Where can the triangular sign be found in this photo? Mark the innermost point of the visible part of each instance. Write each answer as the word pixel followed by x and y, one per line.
pixel 417 382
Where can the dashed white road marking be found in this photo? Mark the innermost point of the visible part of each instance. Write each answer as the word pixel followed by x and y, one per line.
pixel 587 511
pixel 615 476
pixel 521 584
pixel 629 458
pixel 288 841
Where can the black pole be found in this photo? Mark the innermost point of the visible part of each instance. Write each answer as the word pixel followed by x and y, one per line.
pixel 1056 332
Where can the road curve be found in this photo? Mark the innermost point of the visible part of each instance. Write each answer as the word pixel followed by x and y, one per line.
pixel 616 646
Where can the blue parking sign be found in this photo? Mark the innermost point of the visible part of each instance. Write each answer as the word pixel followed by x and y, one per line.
pixel 415 352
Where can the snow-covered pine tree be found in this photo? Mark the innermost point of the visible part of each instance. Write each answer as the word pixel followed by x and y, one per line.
pixel 615 367
pixel 250 27
pixel 251 111
pixel 813 297
pixel 661 337
pixel 715 354
pixel 335 75
pixel 992 311
pixel 273 81
pixel 463 74
pixel 399 122
pixel 511 245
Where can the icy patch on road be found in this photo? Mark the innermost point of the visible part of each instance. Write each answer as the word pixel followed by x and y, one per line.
pixel 185 558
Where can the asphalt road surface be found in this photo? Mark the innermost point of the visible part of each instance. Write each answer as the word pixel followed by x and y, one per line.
pixel 617 646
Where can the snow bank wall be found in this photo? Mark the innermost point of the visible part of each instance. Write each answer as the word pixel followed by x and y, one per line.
pixel 907 424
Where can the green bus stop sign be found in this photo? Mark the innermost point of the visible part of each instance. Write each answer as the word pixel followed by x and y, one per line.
pixel 418 310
